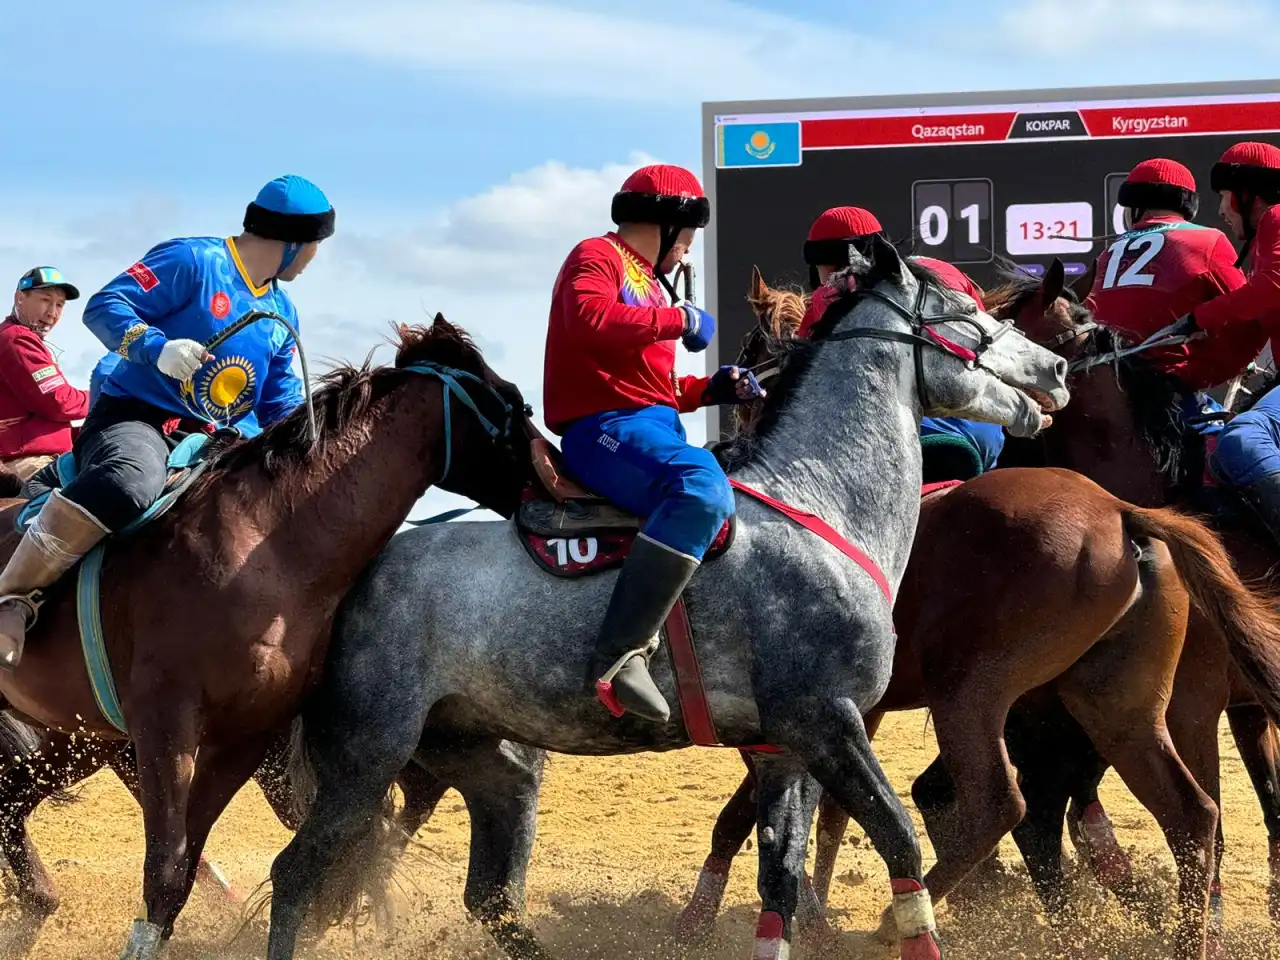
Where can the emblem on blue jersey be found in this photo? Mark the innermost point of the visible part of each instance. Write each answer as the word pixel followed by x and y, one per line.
pixel 222 389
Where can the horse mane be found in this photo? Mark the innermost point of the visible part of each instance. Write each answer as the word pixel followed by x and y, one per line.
pixel 1155 398
pixel 345 395
pixel 795 356
pixel 784 307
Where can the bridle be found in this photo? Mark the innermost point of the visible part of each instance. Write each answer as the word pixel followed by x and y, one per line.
pixel 921 336
pixel 450 379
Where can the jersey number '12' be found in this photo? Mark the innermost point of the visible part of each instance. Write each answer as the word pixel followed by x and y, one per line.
pixel 1150 244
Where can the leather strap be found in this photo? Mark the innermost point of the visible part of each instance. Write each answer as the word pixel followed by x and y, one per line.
pixel 815 524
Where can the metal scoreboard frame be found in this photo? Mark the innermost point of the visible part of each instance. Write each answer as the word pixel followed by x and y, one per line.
pixel 963 210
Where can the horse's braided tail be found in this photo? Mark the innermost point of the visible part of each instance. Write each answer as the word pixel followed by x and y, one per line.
pixel 1248 619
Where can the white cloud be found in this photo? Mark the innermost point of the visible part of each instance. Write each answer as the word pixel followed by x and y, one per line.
pixel 713 49
pixel 1141 29
pixel 487 261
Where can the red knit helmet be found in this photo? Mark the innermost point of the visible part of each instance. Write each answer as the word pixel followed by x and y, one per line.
pixel 1249 168
pixel 1160 184
pixel 664 194
pixel 833 231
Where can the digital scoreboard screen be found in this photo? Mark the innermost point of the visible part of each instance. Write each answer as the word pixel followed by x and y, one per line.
pixel 1023 176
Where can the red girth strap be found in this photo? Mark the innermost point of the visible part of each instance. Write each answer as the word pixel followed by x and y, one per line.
pixel 815 524
pixel 684 658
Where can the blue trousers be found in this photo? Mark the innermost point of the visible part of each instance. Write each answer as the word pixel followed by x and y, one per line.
pixel 1249 446
pixel 986 438
pixel 640 460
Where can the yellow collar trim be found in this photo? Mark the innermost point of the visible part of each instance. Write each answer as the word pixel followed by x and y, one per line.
pixel 244 274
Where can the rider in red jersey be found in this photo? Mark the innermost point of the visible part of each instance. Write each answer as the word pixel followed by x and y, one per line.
pixel 611 392
pixel 1164 267
pixel 957 449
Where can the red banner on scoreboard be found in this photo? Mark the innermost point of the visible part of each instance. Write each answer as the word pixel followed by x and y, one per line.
pixel 993 127
pixel 1257 117
pixel 903 131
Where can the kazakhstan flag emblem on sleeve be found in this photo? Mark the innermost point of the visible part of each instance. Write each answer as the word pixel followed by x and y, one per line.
pixel 758 144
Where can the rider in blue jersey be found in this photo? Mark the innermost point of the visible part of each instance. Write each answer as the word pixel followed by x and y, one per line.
pixel 157 316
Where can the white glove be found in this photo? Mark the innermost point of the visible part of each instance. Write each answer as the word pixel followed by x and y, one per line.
pixel 180 359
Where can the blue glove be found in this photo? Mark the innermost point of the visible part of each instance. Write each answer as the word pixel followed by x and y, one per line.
pixel 699 328
pixel 732 384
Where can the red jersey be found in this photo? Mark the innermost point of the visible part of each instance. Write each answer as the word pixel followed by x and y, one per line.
pixel 949 275
pixel 1163 269
pixel 37 404
pixel 1256 300
pixel 611 338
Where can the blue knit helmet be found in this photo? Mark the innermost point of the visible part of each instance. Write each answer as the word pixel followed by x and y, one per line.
pixel 293 210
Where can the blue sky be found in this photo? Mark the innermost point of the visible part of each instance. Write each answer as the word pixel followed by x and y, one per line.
pixel 468 145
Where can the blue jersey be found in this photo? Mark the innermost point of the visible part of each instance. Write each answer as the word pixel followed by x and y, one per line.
pixel 248 425
pixel 986 438
pixel 191 289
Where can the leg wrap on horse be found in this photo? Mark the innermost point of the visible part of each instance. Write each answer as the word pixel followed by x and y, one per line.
pixel 60 535
pixel 121 463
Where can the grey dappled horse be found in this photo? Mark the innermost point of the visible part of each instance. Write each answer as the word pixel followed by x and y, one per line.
pixel 453 640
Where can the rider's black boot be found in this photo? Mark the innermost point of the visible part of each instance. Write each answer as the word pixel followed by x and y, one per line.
pixel 1264 497
pixel 648 586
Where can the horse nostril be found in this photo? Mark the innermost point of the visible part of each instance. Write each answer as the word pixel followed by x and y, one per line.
pixel 1061 369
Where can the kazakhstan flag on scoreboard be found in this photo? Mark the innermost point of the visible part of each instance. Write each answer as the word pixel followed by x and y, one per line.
pixel 758 144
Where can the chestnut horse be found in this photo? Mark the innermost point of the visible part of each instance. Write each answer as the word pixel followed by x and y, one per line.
pixel 965 608
pixel 216 615
pixel 1125 431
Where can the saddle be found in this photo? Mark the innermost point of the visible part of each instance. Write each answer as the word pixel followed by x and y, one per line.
pixel 570 531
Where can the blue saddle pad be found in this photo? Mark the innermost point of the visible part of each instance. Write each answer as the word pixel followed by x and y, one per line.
pixel 189 453
pixel 185 464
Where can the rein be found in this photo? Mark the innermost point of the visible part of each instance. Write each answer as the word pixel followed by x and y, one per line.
pixel 1161 338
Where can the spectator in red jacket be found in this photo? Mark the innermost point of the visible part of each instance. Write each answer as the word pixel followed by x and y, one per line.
pixel 37 405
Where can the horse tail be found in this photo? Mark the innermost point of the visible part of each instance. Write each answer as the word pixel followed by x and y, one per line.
pixel 10 484
pixel 361 882
pixel 1247 619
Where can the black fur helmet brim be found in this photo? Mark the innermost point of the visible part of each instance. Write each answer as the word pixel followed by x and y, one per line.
pixel 833 253
pixel 1245 178
pixel 1159 196
pixel 666 211
pixel 289 227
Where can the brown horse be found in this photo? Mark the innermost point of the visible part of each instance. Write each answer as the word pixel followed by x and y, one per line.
pixel 216 615
pixel 978 631
pixel 1124 431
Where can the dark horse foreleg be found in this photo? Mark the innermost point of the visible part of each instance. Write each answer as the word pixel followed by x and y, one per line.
pixel 1257 740
pixel 787 797
pixel 60 762
pixel 830 736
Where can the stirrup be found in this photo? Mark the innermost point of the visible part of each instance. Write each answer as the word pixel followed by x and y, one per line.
pixel 29 602
pixel 604 686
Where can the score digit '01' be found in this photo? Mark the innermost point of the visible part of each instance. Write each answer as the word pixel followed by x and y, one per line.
pixel 952 218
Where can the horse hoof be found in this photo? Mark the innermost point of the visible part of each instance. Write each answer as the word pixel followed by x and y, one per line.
pixel 144 942
pixel 208 872
pixel 697 920
pixel 923 947
pixel 770 943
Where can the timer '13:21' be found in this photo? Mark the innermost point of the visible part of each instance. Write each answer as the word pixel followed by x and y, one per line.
pixel 1036 229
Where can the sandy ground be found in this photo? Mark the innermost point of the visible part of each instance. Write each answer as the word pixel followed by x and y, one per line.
pixel 619 845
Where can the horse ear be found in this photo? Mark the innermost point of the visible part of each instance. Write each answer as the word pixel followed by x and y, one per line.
pixel 440 324
pixel 758 287
pixel 1054 281
pixel 885 258
pixel 1084 284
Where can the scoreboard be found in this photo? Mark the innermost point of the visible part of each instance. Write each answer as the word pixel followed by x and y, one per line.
pixel 1027 176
